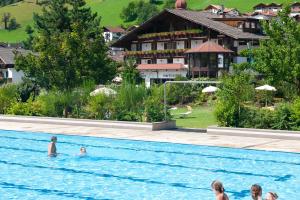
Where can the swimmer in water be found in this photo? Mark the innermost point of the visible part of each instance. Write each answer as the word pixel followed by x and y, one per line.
pixel 52 147
pixel 82 151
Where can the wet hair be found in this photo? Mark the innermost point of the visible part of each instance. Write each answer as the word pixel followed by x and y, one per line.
pixel 256 191
pixel 217 186
pixel 82 148
pixel 53 138
pixel 274 195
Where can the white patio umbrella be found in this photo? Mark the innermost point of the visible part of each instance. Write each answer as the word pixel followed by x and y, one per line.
pixel 103 90
pixel 266 88
pixel 210 89
pixel 117 79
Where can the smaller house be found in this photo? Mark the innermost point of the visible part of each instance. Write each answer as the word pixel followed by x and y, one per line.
pixel 217 9
pixel 295 10
pixel 112 33
pixel 267 8
pixel 7 63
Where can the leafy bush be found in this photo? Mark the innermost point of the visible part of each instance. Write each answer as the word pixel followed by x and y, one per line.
pixel 30 108
pixel 235 91
pixel 98 107
pixel 154 107
pixel 296 114
pixel 8 96
pixel 128 105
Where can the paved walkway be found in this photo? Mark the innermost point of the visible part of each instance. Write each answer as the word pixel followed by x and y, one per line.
pixel 161 136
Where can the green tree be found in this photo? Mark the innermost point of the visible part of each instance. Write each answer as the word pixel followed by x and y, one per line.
pixel 278 57
pixel 70 47
pixel 129 13
pixel 140 11
pixel 5 19
pixel 13 24
pixel 146 11
pixel 130 74
pixel 235 90
pixel 169 4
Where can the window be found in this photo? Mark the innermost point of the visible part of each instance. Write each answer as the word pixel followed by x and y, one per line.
pixel 133 47
pixel 252 25
pixel 247 25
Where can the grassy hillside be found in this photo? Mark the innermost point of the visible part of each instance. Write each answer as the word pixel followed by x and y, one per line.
pixel 109 10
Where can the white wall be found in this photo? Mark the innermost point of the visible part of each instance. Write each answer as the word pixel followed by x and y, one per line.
pixel 162 61
pixel 146 47
pixel 15 75
pixel 160 46
pixel 195 43
pixel 180 45
pixel 161 74
pixel 178 60
pixel 145 61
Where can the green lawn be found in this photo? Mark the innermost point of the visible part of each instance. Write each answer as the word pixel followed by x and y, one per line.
pixel 109 10
pixel 201 117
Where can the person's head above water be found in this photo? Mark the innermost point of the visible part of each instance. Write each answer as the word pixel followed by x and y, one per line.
pixel 82 150
pixel 53 139
pixel 217 186
pixel 256 191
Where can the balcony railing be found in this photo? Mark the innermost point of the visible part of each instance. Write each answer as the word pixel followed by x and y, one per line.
pixel 162 53
pixel 174 34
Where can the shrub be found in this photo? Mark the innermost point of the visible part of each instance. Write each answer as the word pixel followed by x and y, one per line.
pixel 30 108
pixel 128 105
pixel 234 92
pixel 8 96
pixel 154 107
pixel 98 107
pixel 282 117
pixel 295 116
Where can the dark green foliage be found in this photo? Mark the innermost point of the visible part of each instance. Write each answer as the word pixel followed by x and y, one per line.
pixel 70 47
pixel 28 88
pixel 129 13
pixel 5 19
pixel 8 2
pixel 182 93
pixel 130 74
pixel 154 107
pixel 169 4
pixel 139 11
pixel 12 25
pixel 8 96
pixel 28 43
pixel 234 92
pixel 278 58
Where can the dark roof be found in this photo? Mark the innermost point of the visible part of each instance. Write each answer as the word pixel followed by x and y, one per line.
pixel 198 17
pixel 209 47
pixel 7 55
pixel 201 18
pixel 114 29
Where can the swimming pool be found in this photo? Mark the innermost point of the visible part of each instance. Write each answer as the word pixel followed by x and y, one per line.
pixel 125 169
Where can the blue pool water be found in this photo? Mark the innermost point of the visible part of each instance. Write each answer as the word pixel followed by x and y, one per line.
pixel 125 169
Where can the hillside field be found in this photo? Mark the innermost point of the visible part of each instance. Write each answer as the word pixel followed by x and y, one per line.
pixel 109 10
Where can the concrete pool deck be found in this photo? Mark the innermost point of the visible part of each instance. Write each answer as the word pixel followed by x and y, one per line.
pixel 172 136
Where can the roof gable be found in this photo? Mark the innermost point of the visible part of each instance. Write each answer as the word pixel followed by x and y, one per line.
pixel 209 47
pixel 197 17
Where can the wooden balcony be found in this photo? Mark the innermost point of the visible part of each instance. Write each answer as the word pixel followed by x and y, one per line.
pixel 184 34
pixel 157 53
